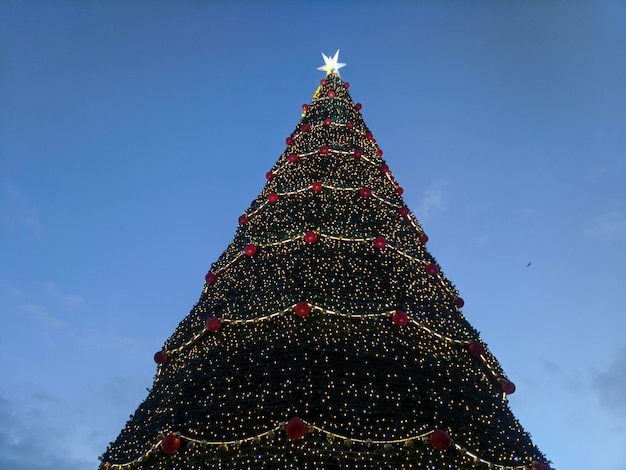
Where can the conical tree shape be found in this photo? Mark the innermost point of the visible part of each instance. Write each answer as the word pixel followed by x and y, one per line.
pixel 326 335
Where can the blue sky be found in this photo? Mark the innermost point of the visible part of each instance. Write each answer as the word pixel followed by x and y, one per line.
pixel 133 134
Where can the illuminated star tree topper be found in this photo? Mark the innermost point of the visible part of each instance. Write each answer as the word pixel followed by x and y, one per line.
pixel 331 64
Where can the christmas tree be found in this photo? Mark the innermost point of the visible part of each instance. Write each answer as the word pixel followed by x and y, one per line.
pixel 326 335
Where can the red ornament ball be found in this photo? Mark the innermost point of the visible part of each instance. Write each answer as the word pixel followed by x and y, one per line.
pixel 170 443
pixel 289 140
pixel 323 82
pixel 305 107
pixel 432 269
pixel 302 309
pixel 399 190
pixel 508 387
pixel 539 466
pixel 476 348
pixel 403 211
pixel 365 192
pixel 317 186
pixel 369 136
pixel 243 219
pixel 295 428
pixel 213 324
pixel 440 439
pixel 379 152
pixel 423 238
pixel 250 250
pixel 358 106
pixel 459 302
pixel 310 237
pixel 210 278
pixel 384 168
pixel 269 175
pixel 346 85
pixel 292 157
pixel 350 125
pixel 327 122
pixel 400 318
pixel 380 242
pixel 331 93
pixel 358 153
pixel 324 150
pixel 160 357
pixel 272 197
pixel 306 127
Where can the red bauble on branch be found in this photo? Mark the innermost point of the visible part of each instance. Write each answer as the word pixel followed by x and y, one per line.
pixel 243 219
pixel 293 158
pixel 384 168
pixel 250 250
pixel 289 140
pixel 213 324
pixel 358 106
pixel 476 348
pixel 295 428
pixel 459 302
pixel 272 198
pixel 269 175
pixel 400 318
pixel 327 122
pixel 310 237
pixel 210 278
pixel 306 127
pixel 346 85
pixel 403 211
pixel 358 153
pixel 317 186
pixel 508 387
pixel 160 357
pixel 380 242
pixel 423 238
pixel 305 107
pixel 440 439
pixel 302 309
pixel 331 93
pixel 369 136
pixel 432 269
pixel 170 443
pixel 365 192
pixel 399 190
pixel 379 152
pixel 324 150
pixel 350 125
pixel 323 82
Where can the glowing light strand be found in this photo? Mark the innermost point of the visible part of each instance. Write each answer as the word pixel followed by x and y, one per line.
pixel 197 336
pixel 445 284
pixel 330 436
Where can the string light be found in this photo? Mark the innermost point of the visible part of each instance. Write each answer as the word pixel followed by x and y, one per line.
pixel 347 440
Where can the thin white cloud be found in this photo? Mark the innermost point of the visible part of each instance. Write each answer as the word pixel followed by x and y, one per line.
pixel 482 239
pixel 610 385
pixel 36 436
pixel 40 314
pixel 608 226
pixel 432 201
pixel 17 214
pixel 68 300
